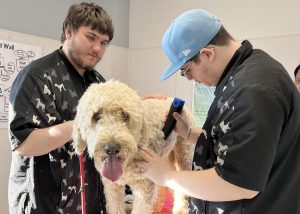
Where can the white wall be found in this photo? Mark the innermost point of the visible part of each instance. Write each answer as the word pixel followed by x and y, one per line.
pixel 270 25
pixel 31 16
pixel 113 65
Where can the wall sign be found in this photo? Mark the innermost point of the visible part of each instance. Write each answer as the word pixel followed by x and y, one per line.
pixel 13 58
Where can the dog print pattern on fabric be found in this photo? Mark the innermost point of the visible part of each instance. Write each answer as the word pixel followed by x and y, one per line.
pixel 52 96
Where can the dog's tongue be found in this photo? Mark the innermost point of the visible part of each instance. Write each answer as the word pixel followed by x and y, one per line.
pixel 111 168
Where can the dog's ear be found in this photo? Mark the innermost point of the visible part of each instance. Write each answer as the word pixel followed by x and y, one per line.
pixel 79 144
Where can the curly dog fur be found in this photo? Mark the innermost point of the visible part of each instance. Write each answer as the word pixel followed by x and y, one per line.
pixel 112 121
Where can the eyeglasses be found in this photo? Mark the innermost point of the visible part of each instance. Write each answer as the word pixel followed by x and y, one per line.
pixel 193 59
pixel 183 71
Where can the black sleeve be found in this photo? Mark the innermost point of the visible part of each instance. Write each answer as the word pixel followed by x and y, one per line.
pixel 31 105
pixel 251 126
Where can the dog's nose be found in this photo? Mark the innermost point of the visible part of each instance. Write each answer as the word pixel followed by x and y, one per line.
pixel 112 148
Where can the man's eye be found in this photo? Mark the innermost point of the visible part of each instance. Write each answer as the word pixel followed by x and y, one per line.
pixel 91 38
pixel 104 44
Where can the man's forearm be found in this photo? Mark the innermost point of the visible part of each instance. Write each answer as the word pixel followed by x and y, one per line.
pixel 42 141
pixel 207 185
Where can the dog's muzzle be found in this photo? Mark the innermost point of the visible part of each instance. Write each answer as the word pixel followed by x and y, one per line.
pixel 111 168
pixel 112 148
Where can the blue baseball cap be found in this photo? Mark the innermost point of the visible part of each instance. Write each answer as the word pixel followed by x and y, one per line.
pixel 187 34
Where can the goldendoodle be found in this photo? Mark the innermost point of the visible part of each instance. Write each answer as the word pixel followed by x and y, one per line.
pixel 112 121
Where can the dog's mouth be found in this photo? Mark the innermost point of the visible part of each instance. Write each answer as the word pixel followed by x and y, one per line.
pixel 111 167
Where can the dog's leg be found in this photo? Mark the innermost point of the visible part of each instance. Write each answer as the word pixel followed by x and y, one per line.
pixel 145 193
pixel 114 195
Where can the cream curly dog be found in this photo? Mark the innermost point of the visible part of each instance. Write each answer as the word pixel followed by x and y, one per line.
pixel 112 121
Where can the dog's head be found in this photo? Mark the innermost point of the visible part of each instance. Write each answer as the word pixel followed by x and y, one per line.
pixel 109 122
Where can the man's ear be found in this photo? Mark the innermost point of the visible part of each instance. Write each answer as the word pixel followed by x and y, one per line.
pixel 208 52
pixel 68 32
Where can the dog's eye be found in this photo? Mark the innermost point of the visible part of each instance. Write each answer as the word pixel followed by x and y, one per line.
pixel 123 115
pixel 97 116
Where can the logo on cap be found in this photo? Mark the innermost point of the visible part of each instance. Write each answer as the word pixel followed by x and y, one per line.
pixel 186 52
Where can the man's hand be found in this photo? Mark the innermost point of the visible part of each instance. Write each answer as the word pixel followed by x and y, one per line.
pixel 155 167
pixel 181 128
pixel 154 96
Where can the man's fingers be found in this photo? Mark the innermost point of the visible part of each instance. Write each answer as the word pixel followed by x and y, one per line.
pixel 154 96
pixel 141 163
pixel 178 117
pixel 147 151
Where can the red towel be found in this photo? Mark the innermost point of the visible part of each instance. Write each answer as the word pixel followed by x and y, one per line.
pixel 168 205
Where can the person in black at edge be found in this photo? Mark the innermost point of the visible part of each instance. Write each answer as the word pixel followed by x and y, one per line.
pixel 246 159
pixel 45 173
pixel 297 77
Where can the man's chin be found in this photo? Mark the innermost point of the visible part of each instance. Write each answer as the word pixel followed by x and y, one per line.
pixel 89 66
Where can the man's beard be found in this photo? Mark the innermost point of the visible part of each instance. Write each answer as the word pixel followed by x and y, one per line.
pixel 80 63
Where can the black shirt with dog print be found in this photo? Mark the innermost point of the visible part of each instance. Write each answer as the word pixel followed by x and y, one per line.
pixel 252 136
pixel 46 93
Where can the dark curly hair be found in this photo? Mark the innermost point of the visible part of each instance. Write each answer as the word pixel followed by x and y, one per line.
pixel 88 14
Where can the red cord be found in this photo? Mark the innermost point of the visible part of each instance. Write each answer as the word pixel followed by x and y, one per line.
pixel 82 187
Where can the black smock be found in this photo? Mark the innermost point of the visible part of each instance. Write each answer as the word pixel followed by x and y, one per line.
pixel 46 93
pixel 252 136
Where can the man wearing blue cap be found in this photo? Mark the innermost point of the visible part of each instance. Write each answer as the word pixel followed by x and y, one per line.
pixel 246 158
